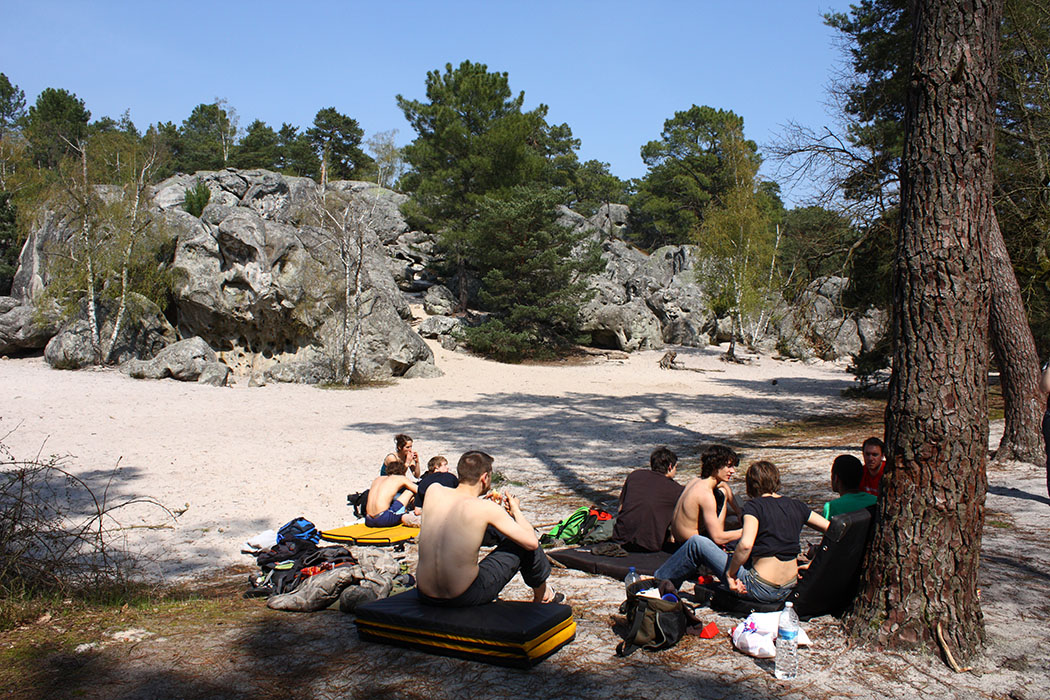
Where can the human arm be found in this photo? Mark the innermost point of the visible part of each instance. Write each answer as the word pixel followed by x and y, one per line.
pixel 742 553
pixel 511 522
pixel 713 524
pixel 413 464
pixel 817 521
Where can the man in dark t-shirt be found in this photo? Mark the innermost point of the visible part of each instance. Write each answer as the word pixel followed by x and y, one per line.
pixel 647 503
pixel 437 473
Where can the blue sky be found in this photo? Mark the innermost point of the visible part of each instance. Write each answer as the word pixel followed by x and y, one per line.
pixel 614 71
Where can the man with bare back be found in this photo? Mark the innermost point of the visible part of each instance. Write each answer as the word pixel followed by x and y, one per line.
pixel 388 498
pixel 454 523
pixel 702 507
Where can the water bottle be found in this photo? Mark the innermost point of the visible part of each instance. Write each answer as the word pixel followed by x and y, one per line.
pixel 787 644
pixel 632 577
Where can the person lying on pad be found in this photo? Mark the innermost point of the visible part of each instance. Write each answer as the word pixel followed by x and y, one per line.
pixel 764 565
pixel 454 523
pixel 703 505
pixel 388 498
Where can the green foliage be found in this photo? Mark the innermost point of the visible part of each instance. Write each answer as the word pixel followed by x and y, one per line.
pixel 197 198
pixel 296 154
pixel 816 243
pixel 739 242
pixel 389 163
pixel 532 271
pixel 591 186
pixel 12 105
pixel 688 171
pixel 493 339
pixel 472 138
pixel 9 243
pixel 55 125
pixel 206 138
pixel 337 140
pixel 869 369
pixel 260 148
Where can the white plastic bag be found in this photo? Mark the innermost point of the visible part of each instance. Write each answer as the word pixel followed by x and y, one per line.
pixel 757 635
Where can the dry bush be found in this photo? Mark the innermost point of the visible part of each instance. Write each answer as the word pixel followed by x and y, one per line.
pixel 59 536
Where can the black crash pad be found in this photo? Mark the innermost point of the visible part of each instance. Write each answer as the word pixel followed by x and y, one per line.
pixel 581 558
pixel 505 633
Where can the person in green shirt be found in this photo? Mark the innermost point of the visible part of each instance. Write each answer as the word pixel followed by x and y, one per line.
pixel 846 474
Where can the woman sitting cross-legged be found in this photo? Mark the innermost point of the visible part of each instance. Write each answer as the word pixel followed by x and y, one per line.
pixel 764 566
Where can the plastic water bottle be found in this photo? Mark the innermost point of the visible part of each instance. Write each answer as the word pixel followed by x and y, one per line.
pixel 632 577
pixel 787 644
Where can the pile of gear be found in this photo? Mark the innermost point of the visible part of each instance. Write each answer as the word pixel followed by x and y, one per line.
pixel 297 575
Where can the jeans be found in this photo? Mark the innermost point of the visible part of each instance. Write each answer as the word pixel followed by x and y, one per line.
pixel 495 571
pixel 702 551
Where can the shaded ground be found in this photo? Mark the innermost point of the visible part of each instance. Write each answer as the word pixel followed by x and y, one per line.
pixel 218 645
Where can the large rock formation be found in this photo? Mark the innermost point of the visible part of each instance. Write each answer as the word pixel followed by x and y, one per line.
pixel 262 277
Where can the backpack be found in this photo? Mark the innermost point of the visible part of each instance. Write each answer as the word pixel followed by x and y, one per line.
pixel 298 529
pixel 358 501
pixel 574 528
pixel 653 623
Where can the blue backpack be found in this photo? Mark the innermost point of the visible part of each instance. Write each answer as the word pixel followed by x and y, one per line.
pixel 298 529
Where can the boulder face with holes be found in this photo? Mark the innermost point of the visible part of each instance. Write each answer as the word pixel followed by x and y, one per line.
pixel 279 283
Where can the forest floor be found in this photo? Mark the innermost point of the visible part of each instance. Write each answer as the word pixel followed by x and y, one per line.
pixel 197 638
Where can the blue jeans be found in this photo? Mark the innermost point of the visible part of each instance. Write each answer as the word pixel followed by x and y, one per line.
pixel 702 551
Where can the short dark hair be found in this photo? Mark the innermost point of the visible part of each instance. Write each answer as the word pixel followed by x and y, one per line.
pixel 877 442
pixel 397 468
pixel 716 457
pixel 435 462
pixel 762 477
pixel 662 460
pixel 472 466
pixel 400 440
pixel 849 470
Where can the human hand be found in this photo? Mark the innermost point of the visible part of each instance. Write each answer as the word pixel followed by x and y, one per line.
pixel 736 585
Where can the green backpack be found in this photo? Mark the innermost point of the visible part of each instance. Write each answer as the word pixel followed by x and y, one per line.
pixel 574 528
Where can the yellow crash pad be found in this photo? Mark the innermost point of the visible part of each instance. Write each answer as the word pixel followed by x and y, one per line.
pixel 361 534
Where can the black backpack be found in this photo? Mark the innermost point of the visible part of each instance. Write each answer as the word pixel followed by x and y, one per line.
pixel 653 623
pixel 358 501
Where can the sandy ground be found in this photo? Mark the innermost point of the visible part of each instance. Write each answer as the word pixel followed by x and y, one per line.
pixel 241 459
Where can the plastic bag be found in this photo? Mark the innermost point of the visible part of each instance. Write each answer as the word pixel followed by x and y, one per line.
pixel 757 635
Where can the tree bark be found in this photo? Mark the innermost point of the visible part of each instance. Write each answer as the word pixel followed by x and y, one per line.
pixel 1018 360
pixel 919 586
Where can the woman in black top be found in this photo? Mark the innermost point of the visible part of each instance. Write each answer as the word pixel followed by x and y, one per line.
pixel 764 566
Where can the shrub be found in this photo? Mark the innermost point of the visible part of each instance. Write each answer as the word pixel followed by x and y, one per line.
pixel 493 339
pixel 197 198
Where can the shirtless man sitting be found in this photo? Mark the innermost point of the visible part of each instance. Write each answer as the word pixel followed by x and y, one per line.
pixel 388 498
pixel 448 572
pixel 703 504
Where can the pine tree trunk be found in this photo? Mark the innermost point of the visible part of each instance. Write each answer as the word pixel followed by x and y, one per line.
pixel 920 576
pixel 1018 360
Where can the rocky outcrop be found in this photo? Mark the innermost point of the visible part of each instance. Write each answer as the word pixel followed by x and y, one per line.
pixel 263 281
pixel 189 360
pixel 143 333
pixel 816 324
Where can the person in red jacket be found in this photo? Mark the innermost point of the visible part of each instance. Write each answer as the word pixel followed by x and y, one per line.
pixel 874 464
